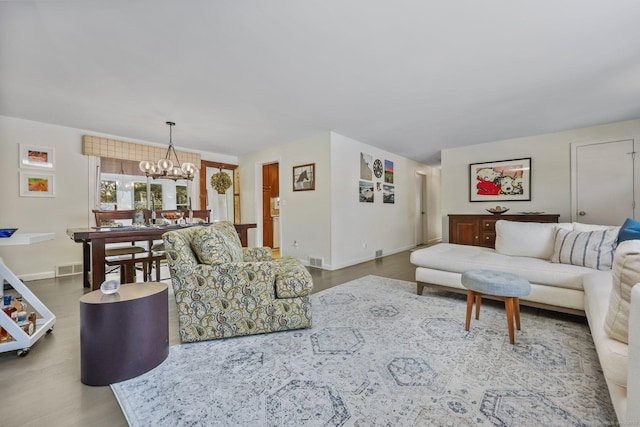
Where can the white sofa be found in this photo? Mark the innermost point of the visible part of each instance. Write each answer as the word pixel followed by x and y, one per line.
pixel 557 286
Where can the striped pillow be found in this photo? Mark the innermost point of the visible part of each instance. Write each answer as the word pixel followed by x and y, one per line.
pixel 592 249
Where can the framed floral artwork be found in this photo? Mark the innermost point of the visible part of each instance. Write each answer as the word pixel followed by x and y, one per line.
pixel 502 180
pixel 35 184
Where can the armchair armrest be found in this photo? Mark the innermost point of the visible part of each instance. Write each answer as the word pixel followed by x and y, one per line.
pixel 293 280
pixel 262 253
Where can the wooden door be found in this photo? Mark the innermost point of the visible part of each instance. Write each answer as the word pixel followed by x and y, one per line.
pixel 267 222
pixel 270 189
pixel 603 184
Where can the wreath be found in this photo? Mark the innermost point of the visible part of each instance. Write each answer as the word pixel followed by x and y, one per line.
pixel 221 182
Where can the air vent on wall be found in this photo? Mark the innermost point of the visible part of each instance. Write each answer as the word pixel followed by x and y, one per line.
pixel 315 262
pixel 378 253
pixel 68 269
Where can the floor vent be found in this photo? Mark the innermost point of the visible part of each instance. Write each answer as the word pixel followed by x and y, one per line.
pixel 315 262
pixel 378 253
pixel 68 269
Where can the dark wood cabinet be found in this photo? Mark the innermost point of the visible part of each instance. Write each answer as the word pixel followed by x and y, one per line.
pixel 480 230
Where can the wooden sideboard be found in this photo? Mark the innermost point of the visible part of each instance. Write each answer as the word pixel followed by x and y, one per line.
pixel 480 230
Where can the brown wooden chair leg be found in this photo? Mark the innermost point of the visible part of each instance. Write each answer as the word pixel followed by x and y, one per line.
pixel 508 304
pixel 146 271
pixel 516 310
pixel 157 270
pixel 478 304
pixel 470 298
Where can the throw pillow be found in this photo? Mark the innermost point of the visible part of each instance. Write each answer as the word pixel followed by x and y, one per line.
pixel 231 238
pixel 630 230
pixel 212 247
pixel 625 274
pixel 528 239
pixel 593 249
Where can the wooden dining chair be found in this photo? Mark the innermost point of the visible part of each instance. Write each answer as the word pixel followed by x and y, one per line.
pixel 116 255
pixel 204 214
pixel 157 246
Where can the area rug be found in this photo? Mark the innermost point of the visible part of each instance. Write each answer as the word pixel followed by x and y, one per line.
pixel 380 355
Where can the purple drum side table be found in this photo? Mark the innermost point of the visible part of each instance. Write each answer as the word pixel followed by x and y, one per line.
pixel 125 334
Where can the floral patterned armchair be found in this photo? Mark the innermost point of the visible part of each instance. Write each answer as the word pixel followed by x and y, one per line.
pixel 224 290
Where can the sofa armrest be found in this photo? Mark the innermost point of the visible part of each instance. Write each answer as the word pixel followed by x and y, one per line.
pixel 262 253
pixel 633 367
pixel 292 279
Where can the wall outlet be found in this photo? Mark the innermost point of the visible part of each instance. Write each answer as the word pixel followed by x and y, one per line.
pixel 364 246
pixel 295 243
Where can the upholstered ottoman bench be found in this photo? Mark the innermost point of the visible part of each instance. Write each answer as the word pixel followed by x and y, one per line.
pixel 506 286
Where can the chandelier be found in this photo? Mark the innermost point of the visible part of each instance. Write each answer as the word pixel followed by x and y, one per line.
pixel 164 168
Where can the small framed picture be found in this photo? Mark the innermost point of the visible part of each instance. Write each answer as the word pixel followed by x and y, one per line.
pixel 32 157
pixel 500 180
pixel 35 184
pixel 304 177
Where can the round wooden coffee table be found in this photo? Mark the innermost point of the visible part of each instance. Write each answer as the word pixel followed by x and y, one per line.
pixel 125 334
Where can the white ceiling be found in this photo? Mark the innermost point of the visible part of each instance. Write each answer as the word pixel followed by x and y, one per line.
pixel 410 77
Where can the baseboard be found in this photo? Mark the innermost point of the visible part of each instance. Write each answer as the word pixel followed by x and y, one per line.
pixel 360 261
pixel 37 276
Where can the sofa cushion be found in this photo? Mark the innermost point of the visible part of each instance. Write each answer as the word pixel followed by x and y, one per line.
pixel 625 273
pixel 527 239
pixel 579 226
pixel 460 258
pixel 212 245
pixel 593 249
pixel 612 353
pixel 630 230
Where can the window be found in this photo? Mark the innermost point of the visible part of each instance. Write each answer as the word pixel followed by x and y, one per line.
pixel 182 198
pixel 108 196
pixel 122 186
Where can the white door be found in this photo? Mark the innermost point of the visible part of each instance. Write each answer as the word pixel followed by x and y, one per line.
pixel 603 182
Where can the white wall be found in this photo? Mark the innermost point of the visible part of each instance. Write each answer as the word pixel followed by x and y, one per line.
pixel 70 207
pixel 550 169
pixel 304 215
pixel 330 222
pixel 359 229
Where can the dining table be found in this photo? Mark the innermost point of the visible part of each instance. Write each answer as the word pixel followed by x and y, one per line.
pixel 95 239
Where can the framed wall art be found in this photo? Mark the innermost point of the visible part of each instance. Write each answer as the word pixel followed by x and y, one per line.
pixel 366 166
pixel 366 193
pixel 36 184
pixel 304 177
pixel 388 171
pixel 502 180
pixel 388 194
pixel 32 157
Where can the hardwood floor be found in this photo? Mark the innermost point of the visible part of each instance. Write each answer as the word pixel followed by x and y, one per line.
pixel 44 388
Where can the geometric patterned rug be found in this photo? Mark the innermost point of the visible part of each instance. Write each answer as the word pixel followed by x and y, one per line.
pixel 380 355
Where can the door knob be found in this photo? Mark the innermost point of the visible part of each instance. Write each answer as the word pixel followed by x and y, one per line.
pixel 582 213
